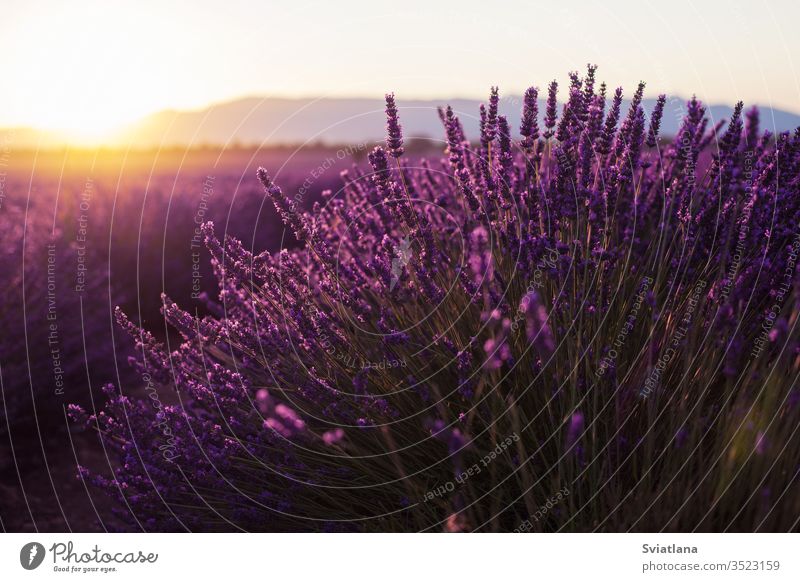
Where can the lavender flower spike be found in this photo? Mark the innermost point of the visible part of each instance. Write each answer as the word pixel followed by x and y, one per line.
pixel 491 117
pixel 552 110
pixel 394 137
pixel 655 121
pixel 529 127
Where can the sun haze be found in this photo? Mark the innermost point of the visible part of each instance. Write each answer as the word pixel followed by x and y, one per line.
pixel 88 67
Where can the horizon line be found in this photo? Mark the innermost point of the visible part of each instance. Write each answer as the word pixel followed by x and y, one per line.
pixel 400 99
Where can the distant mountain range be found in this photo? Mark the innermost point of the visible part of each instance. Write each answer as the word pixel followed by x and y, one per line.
pixel 280 121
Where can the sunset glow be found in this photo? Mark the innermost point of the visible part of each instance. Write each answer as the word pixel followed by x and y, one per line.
pixel 94 66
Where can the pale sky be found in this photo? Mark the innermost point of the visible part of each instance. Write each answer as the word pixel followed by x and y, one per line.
pixel 93 65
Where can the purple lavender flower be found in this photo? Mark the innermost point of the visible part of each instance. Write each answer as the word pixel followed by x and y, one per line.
pixel 491 115
pixel 574 428
pixel 655 121
pixel 394 135
pixel 551 111
pixel 538 330
pixel 529 128
pixel 604 145
pixel 333 436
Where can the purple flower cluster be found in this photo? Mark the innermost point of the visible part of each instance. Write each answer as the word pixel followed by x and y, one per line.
pixel 503 276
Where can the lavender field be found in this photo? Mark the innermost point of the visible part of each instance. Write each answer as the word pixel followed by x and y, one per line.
pixel 85 232
pixel 574 323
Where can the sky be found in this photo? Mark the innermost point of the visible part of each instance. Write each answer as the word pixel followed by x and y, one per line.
pixel 90 66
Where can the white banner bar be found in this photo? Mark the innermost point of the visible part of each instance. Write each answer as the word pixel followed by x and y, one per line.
pixel 401 557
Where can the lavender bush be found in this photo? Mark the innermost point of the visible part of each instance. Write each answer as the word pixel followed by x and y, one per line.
pixel 587 313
